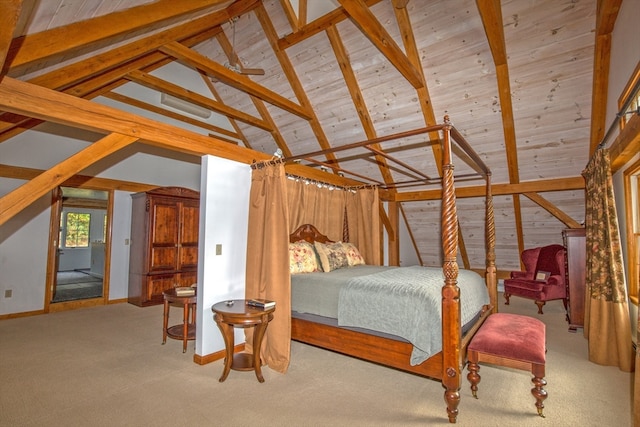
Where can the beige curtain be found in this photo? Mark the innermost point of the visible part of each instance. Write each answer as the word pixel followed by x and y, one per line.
pixel 607 324
pixel 267 273
pixel 278 206
pixel 363 218
pixel 316 204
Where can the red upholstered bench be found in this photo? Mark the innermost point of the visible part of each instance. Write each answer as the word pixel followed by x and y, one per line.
pixel 512 341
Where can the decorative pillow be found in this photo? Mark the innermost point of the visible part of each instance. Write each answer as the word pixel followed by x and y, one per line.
pixel 302 258
pixel 332 256
pixel 353 254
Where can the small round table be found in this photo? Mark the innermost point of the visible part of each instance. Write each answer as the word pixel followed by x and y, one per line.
pixel 237 314
pixel 185 331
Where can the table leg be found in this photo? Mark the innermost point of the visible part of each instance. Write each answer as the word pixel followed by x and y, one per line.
pixel 228 335
pixel 165 323
pixel 258 333
pixel 185 327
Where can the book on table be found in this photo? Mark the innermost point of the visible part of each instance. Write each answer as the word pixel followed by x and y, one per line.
pixel 261 303
pixel 185 291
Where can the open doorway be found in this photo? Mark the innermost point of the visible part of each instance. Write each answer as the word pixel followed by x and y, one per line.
pixel 78 251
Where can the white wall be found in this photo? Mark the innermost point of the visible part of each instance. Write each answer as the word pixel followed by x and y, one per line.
pixel 224 217
pixel 24 238
pixel 23 254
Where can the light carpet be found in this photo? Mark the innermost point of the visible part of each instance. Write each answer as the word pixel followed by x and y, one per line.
pixel 105 366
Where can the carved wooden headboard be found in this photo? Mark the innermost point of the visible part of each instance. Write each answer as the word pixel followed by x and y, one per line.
pixel 308 233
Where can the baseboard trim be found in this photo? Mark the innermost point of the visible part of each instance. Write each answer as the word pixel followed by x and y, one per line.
pixel 208 358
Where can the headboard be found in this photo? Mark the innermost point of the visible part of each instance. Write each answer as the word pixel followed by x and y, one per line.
pixel 308 233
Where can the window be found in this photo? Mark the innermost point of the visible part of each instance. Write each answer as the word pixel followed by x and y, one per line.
pixel 74 230
pixel 632 197
pixel 629 101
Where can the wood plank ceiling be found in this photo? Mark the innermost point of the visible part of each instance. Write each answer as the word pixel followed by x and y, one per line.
pixel 515 77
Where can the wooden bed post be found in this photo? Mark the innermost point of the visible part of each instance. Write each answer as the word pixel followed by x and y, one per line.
pixel 451 328
pixel 491 249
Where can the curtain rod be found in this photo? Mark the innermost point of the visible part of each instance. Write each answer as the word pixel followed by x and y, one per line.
pixel 621 113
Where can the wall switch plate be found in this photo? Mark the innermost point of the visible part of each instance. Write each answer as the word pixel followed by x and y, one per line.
pixel 218 249
pixel 8 293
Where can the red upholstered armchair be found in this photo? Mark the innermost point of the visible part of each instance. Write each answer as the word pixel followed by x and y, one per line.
pixel 543 279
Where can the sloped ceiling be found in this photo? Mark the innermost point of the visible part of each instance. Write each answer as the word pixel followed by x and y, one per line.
pixel 514 77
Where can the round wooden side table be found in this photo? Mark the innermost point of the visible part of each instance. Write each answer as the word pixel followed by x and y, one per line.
pixel 185 331
pixel 237 314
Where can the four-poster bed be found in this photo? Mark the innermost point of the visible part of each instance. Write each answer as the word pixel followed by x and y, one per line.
pixel 446 365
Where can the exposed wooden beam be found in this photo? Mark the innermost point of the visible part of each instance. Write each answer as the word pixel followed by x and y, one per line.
pixel 558 184
pixel 365 20
pixel 606 15
pixel 162 111
pixel 553 210
pixel 80 181
pixel 317 26
pixel 9 14
pixel 408 38
pixel 68 39
pixel 491 14
pixel 160 85
pixel 358 98
pixel 243 83
pixel 293 79
pixel 23 196
pixel 46 104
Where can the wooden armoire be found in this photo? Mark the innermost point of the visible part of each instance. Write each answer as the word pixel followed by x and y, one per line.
pixel 576 265
pixel 164 243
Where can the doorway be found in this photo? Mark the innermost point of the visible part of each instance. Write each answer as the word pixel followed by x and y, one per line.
pixel 78 248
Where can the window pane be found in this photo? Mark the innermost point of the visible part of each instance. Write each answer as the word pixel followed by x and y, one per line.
pixel 77 230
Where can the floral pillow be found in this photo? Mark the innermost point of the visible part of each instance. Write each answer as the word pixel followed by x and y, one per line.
pixel 332 256
pixel 302 258
pixel 353 254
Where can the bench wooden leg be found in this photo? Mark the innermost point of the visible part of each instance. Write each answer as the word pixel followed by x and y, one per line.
pixel 473 376
pixel 538 390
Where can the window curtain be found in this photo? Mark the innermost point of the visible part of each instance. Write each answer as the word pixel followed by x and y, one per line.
pixel 607 324
pixel 363 219
pixel 267 274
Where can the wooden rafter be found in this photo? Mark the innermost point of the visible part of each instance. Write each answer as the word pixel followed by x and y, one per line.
pixel 292 78
pixel 9 14
pixel 243 83
pixel 553 210
pixel 365 20
pixel 164 86
pixel 606 15
pixel 27 99
pixel 73 37
pixel 23 196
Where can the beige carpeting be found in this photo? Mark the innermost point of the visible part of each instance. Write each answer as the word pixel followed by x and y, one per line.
pixel 105 366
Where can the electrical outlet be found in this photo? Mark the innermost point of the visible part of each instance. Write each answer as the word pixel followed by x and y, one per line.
pixel 218 249
pixel 8 293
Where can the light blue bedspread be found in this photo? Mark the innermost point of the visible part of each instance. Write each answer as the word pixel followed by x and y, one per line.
pixel 407 302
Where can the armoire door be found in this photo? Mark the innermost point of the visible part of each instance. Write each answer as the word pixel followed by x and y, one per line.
pixel 164 236
pixel 189 232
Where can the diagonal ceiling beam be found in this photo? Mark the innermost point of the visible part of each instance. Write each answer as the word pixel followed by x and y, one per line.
pixel 365 20
pixel 46 104
pixel 9 14
pixel 243 83
pixel 160 85
pixel 71 38
pixel 23 196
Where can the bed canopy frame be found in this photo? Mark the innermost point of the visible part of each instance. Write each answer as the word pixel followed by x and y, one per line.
pixel 448 365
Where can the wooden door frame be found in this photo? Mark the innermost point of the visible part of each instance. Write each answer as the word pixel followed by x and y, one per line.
pixel 54 232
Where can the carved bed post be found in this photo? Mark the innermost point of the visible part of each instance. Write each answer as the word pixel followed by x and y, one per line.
pixel 451 375
pixel 491 249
